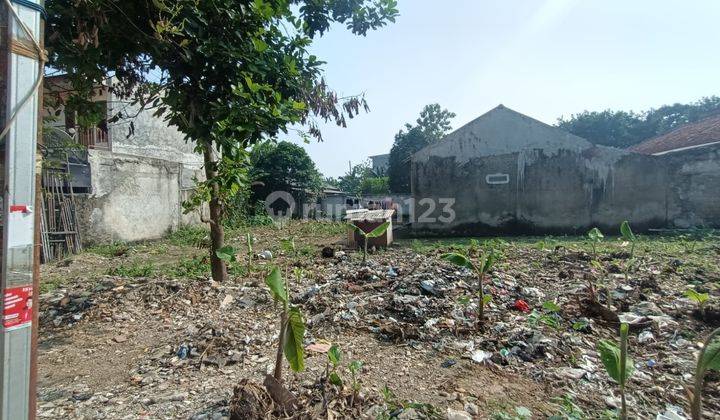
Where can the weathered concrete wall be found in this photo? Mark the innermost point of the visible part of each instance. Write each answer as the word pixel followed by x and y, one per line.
pixel 509 173
pixel 151 137
pixel 565 191
pixel 133 198
pixel 693 186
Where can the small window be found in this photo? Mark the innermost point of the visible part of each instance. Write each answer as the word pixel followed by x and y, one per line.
pixel 494 179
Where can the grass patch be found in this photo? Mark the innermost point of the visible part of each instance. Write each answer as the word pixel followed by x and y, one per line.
pixel 114 249
pixel 190 267
pixel 50 284
pixel 188 236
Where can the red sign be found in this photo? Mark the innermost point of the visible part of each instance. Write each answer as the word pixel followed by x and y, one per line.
pixel 17 307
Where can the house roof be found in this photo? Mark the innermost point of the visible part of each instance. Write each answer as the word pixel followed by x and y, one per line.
pixel 500 131
pixel 688 136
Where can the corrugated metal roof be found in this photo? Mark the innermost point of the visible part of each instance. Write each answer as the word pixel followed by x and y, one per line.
pixel 368 215
pixel 701 133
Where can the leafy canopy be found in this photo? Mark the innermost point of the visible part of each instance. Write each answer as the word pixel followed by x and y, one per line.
pixel 360 180
pixel 283 166
pixel 623 129
pixel 431 126
pixel 226 73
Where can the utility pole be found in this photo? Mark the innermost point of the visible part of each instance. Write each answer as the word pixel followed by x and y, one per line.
pixel 21 71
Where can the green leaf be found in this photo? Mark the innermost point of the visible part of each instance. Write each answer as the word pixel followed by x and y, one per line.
pixel 595 235
pixel 711 357
pixel 276 285
pixel 488 262
pixel 580 325
pixel 294 334
pixel 355 366
pixel 626 232
pixel 335 379
pixel 457 259
pixel 334 355
pixel 610 356
pixel 259 45
pixel 486 299
pixel 378 231
pixel 357 229
pixel 226 253
pixel 551 306
pixel 697 297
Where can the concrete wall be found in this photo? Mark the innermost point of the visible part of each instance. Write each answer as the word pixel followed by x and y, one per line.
pixel 693 186
pixel 152 137
pixel 510 173
pixel 133 198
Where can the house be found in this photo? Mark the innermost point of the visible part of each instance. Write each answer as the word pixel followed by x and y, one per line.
pixel 129 177
pixel 703 133
pixel 507 172
pixel 380 164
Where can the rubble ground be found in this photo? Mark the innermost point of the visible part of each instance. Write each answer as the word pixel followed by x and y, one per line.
pixel 140 331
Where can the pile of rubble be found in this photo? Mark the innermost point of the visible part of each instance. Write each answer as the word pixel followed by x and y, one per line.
pixel 548 311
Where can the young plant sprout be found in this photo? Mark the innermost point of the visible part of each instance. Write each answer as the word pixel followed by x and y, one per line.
pixel 595 237
pixel 334 357
pixel 249 244
pixel 549 316
pixel 617 364
pixel 699 298
pixel 355 367
pixel 708 359
pixel 481 268
pixel 292 326
pixel 597 265
pixel 628 235
pixel 378 231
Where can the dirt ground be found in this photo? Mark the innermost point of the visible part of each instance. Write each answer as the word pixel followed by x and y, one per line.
pixel 139 331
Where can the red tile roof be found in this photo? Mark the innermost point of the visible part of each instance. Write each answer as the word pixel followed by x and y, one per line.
pixel 696 134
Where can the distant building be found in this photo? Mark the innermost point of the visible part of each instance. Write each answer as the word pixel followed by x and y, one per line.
pixel 705 132
pixel 507 172
pixel 380 164
pixel 129 177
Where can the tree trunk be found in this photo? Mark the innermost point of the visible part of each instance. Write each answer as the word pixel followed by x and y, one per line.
pixel 217 235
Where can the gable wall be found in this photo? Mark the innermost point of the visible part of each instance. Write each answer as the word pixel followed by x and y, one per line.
pixel 564 187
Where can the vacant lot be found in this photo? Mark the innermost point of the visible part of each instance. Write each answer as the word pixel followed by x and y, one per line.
pixel 138 330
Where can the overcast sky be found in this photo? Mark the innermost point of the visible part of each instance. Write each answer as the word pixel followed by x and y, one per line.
pixel 544 58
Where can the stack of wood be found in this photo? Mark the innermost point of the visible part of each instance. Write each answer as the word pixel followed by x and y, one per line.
pixel 60 233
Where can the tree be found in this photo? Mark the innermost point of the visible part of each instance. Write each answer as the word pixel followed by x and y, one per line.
pixel 432 125
pixel 353 180
pixel 375 185
pixel 226 73
pixel 623 129
pixel 608 128
pixel 283 166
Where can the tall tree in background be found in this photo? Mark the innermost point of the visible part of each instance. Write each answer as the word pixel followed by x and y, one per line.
pixel 624 129
pixel 432 125
pixel 226 73
pixel 283 166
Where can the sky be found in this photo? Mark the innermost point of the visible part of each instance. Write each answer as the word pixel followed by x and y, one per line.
pixel 544 58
